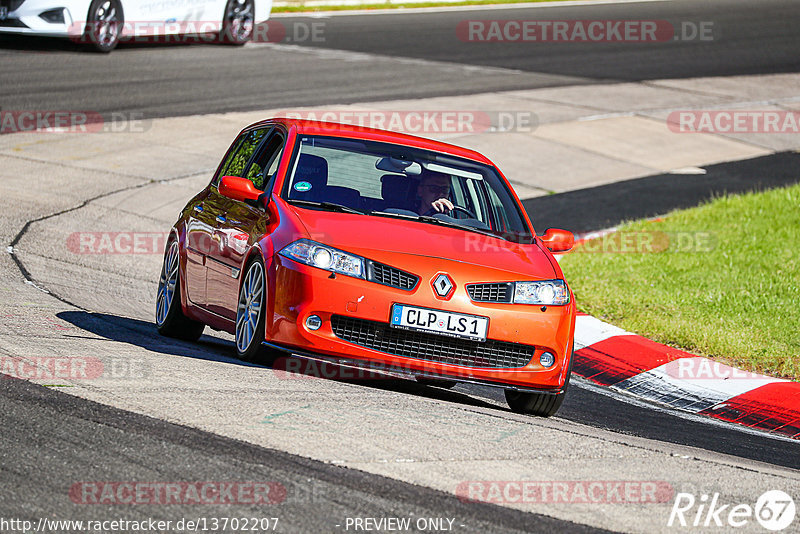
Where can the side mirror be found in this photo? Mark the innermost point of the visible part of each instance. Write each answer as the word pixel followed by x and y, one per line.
pixel 558 240
pixel 240 189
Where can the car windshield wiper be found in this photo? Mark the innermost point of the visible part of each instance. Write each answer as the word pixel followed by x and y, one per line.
pixel 433 220
pixel 390 214
pixel 330 206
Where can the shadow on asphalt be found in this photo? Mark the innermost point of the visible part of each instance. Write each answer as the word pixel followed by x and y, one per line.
pixel 36 44
pixel 33 44
pixel 144 334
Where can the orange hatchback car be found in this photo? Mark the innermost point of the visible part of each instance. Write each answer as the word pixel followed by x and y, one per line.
pixel 377 250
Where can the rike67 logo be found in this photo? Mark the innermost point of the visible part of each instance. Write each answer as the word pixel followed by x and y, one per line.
pixel 774 510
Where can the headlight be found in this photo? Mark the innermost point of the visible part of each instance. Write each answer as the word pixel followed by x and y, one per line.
pixel 547 292
pixel 325 257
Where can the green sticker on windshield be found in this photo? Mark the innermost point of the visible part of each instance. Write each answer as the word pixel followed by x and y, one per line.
pixel 302 187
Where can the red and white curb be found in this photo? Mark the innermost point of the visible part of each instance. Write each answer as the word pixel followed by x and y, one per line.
pixel 610 356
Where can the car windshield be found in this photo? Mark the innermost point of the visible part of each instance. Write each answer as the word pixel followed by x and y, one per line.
pixel 381 179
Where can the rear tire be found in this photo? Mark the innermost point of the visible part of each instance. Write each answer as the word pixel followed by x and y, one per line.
pixel 170 320
pixel 539 404
pixel 238 22
pixel 104 24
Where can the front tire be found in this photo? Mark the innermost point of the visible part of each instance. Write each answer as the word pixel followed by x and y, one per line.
pixel 251 313
pixel 238 22
pixel 104 24
pixel 170 320
pixel 539 404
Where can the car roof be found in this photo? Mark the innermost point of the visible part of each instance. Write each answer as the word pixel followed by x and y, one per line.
pixel 354 131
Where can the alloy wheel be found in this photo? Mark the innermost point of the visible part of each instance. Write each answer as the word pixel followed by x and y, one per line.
pixel 248 311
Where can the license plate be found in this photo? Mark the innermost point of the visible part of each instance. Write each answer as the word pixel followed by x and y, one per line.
pixel 3 12
pixel 439 322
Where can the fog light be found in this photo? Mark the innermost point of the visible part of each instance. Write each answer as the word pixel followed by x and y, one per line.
pixel 313 322
pixel 547 359
pixel 54 16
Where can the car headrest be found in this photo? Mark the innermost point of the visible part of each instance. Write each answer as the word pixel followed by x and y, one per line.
pixel 395 188
pixel 312 169
pixel 343 195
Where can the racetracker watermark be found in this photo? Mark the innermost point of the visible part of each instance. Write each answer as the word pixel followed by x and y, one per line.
pixel 50 367
pixel 117 242
pixel 296 368
pixel 182 493
pixel 206 32
pixel 425 121
pixel 705 369
pixel 71 121
pixel 610 242
pixel 646 242
pixel 583 31
pixel 774 510
pixel 274 31
pixel 734 121
pixel 565 492
pixel 73 368
pixel 226 241
pixel 291 368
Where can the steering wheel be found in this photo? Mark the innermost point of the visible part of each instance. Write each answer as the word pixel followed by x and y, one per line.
pixel 465 210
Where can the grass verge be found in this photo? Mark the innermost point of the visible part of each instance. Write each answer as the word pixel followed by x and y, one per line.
pixel 720 280
pixel 386 5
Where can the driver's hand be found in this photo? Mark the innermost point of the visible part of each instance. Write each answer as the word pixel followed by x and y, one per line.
pixel 442 205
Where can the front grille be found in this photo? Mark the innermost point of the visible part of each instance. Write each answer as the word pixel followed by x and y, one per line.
pixel 12 23
pixel 490 292
pixel 432 347
pixel 12 5
pixel 391 276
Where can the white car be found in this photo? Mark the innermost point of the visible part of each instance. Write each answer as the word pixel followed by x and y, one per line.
pixel 104 23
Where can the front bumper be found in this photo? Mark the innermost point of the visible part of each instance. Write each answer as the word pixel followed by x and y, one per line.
pixel 26 19
pixel 302 291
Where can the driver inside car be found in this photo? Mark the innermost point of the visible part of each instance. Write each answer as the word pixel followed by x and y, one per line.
pixel 433 194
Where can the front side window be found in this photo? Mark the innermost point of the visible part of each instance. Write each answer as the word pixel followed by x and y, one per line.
pixel 382 179
pixel 237 159
pixel 264 166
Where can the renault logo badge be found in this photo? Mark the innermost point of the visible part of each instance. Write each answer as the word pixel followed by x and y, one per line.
pixel 443 285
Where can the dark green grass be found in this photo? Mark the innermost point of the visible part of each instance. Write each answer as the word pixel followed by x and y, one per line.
pixel 726 286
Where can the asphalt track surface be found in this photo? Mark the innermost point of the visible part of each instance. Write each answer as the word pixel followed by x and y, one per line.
pixel 392 56
pixel 123 443
pixel 54 439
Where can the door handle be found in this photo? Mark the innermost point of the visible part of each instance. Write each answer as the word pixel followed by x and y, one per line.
pixel 198 208
pixel 221 219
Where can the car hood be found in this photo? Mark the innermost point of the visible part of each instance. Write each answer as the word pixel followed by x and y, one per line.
pixel 365 235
